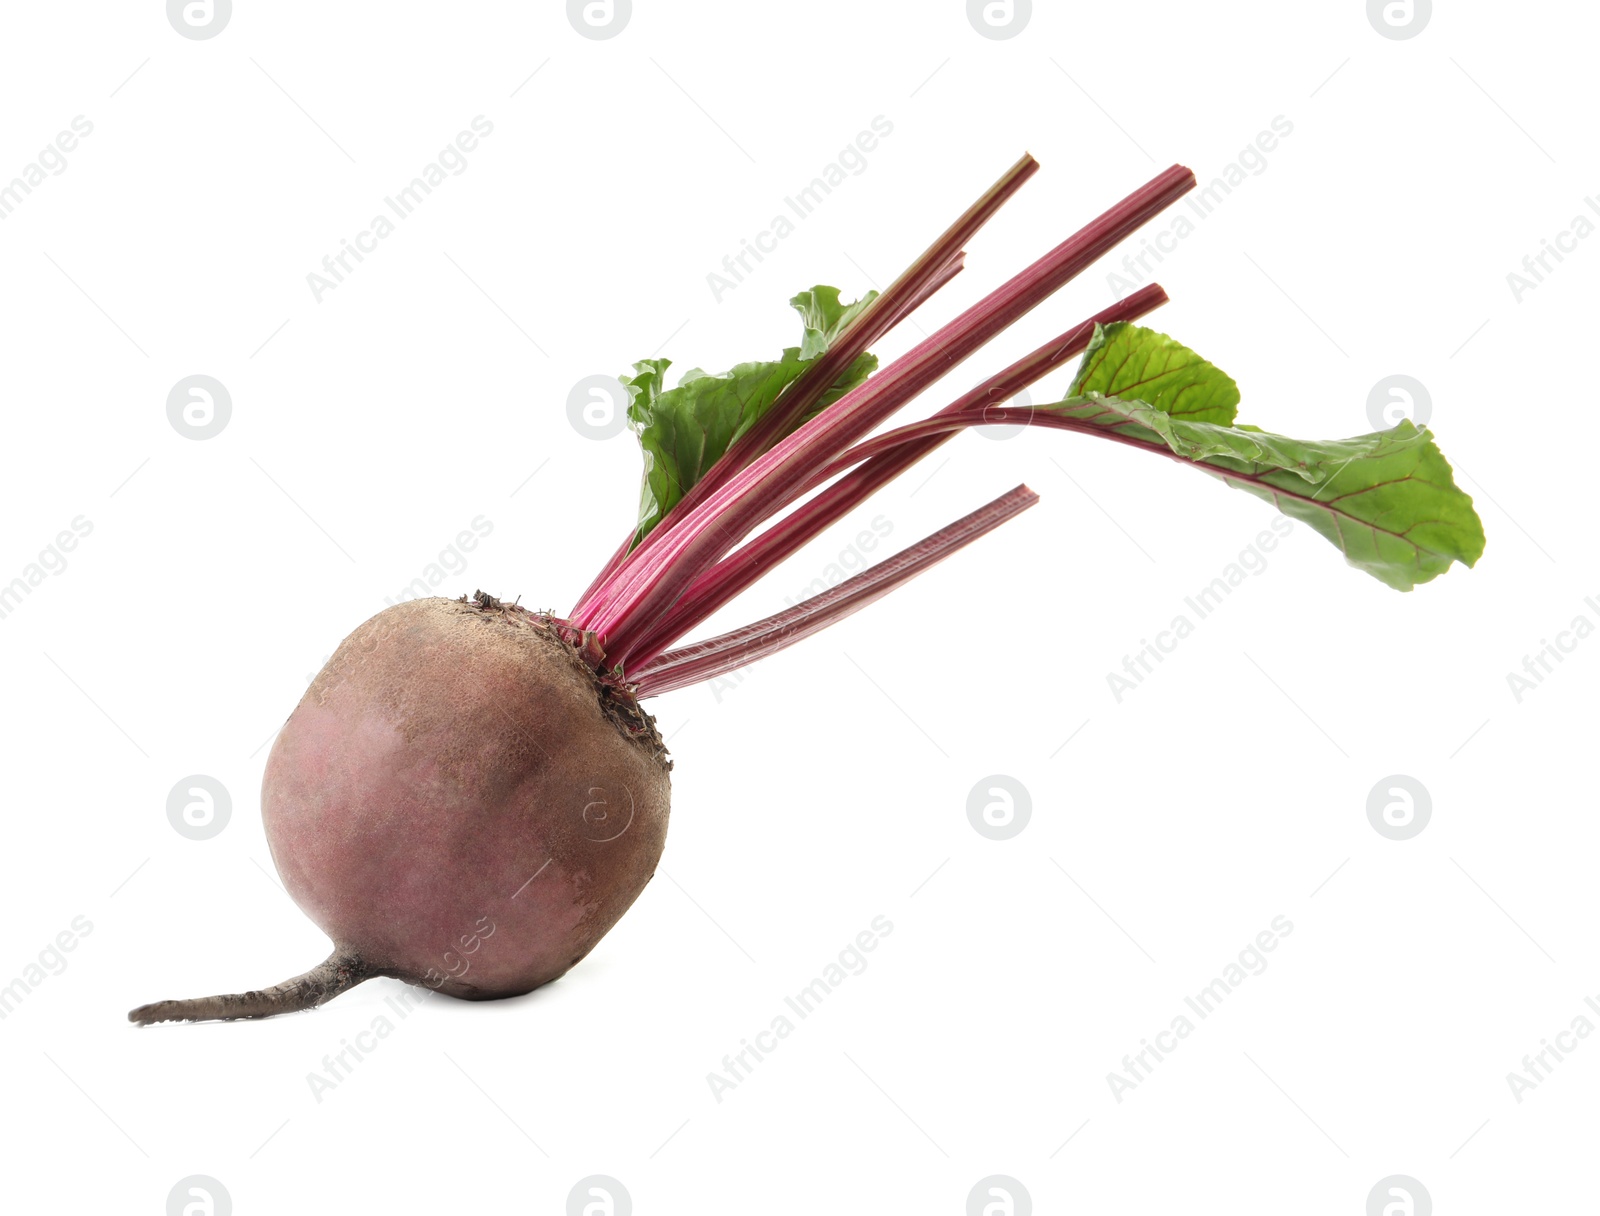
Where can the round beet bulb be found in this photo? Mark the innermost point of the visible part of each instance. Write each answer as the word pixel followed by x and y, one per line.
pixel 459 802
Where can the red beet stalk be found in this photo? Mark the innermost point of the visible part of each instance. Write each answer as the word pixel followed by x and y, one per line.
pixel 933 268
pixel 731 576
pixel 948 272
pixel 706 660
pixel 649 584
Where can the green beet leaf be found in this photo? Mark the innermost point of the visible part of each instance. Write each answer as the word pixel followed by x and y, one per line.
pixel 683 431
pixel 1132 362
pixel 1388 499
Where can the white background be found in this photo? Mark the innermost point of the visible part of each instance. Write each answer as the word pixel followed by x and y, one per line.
pixel 830 785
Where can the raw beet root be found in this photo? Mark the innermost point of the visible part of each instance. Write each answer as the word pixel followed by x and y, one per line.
pixel 458 801
pixel 469 796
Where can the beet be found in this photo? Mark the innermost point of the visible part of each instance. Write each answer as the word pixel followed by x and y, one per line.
pixel 469 796
pixel 458 801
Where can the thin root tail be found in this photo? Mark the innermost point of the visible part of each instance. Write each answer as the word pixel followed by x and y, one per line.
pixel 342 970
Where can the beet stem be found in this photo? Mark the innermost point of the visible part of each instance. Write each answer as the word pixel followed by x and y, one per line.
pixel 338 973
pixel 648 585
pixel 731 576
pixel 934 267
pixel 951 268
pixel 730 651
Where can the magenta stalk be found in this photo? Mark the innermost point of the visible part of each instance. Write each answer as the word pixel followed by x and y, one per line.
pixel 933 268
pixel 650 583
pixel 709 659
pixel 735 573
